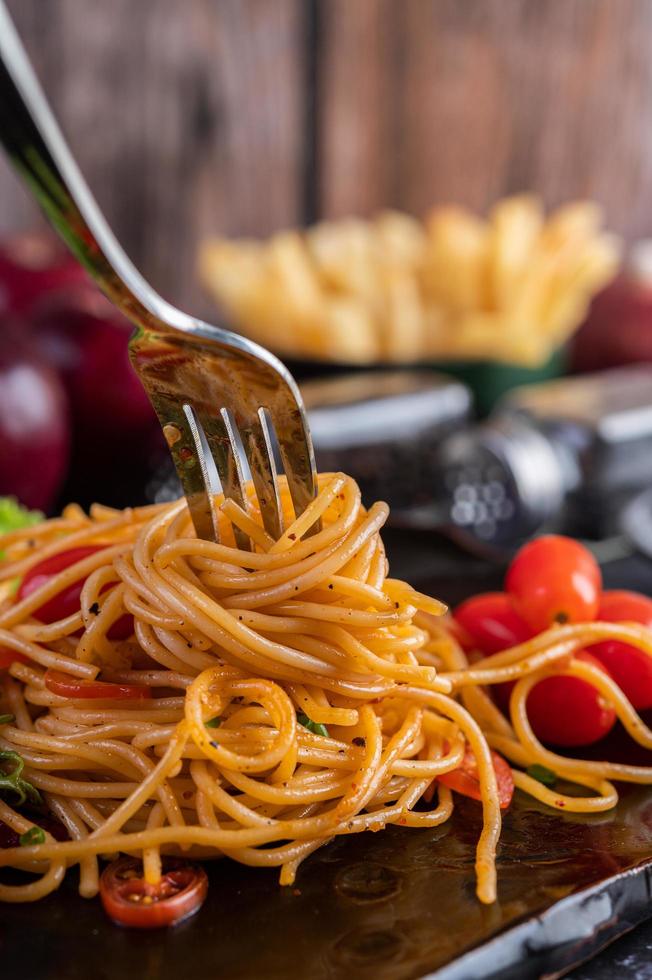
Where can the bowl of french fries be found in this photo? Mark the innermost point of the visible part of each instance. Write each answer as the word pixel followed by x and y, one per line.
pixel 454 289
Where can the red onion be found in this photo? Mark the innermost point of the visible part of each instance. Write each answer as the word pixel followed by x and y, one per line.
pixel 34 441
pixel 32 264
pixel 618 329
pixel 85 338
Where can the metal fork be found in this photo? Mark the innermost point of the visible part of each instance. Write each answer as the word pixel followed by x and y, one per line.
pixel 219 397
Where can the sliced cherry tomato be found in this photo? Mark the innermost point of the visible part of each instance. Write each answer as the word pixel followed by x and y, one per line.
pixel 554 580
pixel 7 657
pixel 488 623
pixel 73 687
pixel 569 711
pixel 465 779
pixel 630 668
pixel 131 901
pixel 66 602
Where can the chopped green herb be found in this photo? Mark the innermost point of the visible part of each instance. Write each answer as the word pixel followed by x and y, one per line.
pixel 13 781
pixel 6 719
pixel 213 722
pixel 35 835
pixel 542 774
pixel 313 726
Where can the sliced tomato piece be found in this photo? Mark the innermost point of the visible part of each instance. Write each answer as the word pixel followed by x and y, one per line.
pixel 465 778
pixel 131 901
pixel 7 657
pixel 74 687
pixel 67 602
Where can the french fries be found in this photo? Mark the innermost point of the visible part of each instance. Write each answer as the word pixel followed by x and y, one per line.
pixel 511 288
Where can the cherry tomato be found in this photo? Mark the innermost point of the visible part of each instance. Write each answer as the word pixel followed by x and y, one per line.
pixel 131 901
pixel 554 580
pixel 569 711
pixel 488 623
pixel 465 778
pixel 73 687
pixel 66 602
pixel 630 668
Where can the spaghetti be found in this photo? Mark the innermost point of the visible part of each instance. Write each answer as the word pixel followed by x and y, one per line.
pixel 260 702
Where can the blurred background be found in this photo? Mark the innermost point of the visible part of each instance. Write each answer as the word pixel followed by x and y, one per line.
pixel 219 119
pixel 246 116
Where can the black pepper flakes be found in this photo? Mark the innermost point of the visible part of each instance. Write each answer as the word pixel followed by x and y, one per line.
pixel 360 741
pixel 94 608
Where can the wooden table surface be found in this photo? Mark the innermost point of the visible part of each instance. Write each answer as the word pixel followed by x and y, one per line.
pixel 245 116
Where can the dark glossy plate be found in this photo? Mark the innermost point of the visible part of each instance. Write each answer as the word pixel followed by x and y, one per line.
pixel 387 906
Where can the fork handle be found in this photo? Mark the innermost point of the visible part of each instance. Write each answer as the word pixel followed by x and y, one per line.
pixel 40 154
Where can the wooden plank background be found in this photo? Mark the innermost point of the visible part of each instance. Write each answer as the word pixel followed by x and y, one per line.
pixel 244 116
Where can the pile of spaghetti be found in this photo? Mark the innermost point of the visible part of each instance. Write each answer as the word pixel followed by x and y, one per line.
pixel 200 700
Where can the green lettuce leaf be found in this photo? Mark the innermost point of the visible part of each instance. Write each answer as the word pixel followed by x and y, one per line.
pixel 13 516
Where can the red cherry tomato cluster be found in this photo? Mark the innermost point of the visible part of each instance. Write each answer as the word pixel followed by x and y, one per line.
pixel 556 580
pixel 64 603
